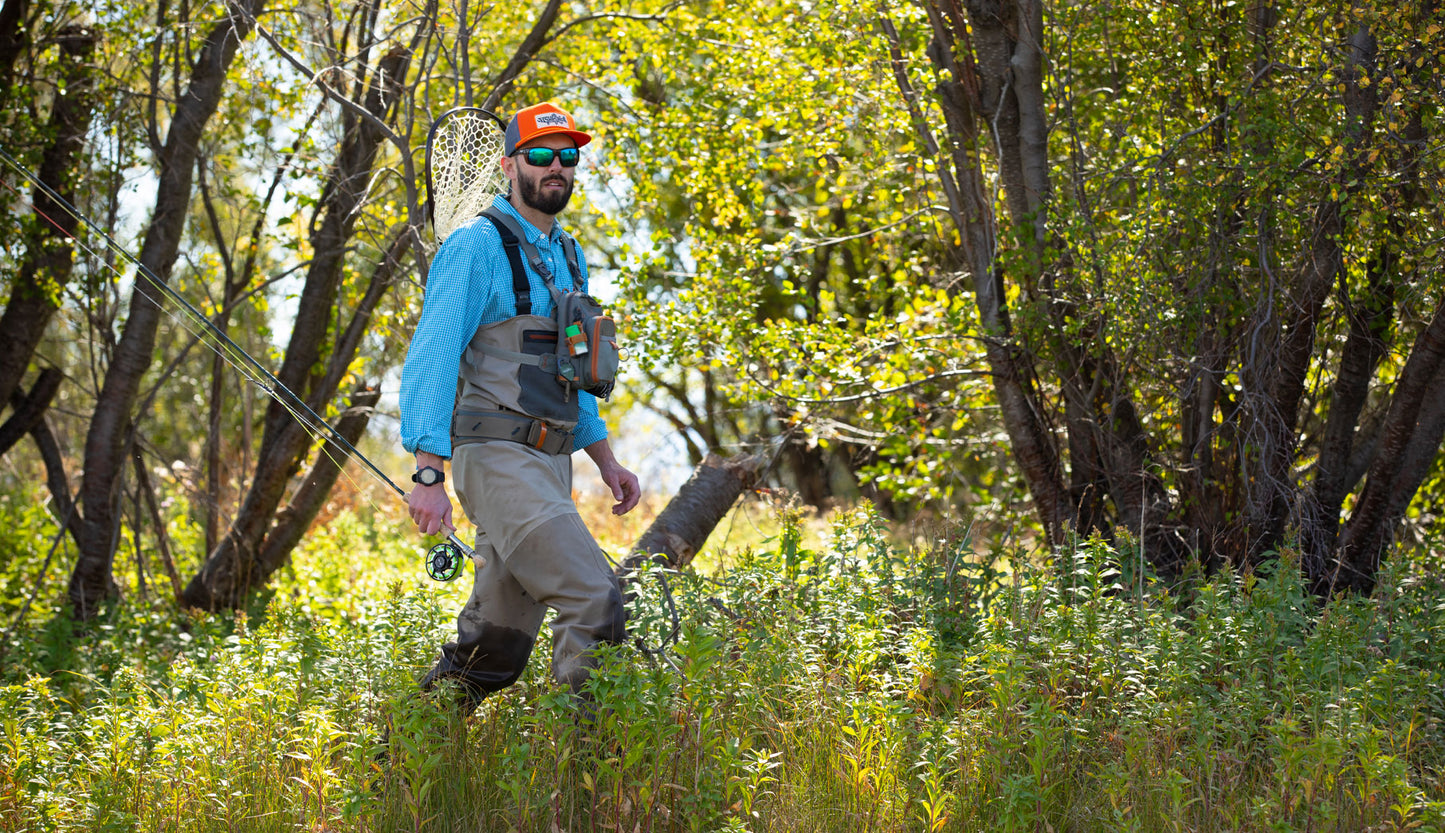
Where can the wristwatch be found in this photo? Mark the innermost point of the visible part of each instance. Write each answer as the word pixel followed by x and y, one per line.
pixel 428 476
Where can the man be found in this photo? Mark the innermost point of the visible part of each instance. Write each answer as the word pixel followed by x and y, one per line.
pixel 514 427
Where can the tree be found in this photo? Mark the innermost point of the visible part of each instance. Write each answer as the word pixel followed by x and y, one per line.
pixel 1174 275
pixel 259 539
pixel 1265 207
pixel 45 270
pixel 756 231
pixel 109 432
pixel 54 64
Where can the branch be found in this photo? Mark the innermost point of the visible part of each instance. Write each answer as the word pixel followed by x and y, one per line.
pixel 592 18
pixel 874 394
pixel 833 241
pixel 331 92
pixel 526 51
pixel 29 409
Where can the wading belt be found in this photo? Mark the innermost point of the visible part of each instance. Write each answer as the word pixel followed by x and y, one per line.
pixel 482 426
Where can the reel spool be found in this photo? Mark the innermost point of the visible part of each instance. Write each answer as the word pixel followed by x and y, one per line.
pixel 444 561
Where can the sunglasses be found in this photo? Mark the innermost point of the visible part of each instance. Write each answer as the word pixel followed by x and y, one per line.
pixel 542 157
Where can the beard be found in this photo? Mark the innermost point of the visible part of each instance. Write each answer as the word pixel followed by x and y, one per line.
pixel 552 202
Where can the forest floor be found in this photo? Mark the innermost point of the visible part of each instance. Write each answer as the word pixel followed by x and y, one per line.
pixel 811 674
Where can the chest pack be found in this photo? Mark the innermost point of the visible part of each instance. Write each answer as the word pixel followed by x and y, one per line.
pixel 586 356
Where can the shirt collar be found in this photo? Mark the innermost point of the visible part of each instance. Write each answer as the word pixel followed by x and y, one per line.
pixel 533 233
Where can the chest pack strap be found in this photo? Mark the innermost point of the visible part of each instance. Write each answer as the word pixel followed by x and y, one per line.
pixel 484 426
pixel 515 243
pixel 546 362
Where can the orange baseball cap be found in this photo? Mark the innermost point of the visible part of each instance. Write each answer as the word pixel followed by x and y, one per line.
pixel 541 120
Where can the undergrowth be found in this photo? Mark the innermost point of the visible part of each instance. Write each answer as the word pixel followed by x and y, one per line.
pixel 828 685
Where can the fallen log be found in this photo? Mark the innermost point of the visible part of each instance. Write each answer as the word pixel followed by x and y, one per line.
pixel 680 530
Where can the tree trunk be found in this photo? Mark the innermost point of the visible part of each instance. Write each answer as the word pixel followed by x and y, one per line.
pixel 293 521
pixel 45 272
pixel 1410 441
pixel 1281 376
pixel 962 97
pixel 680 530
pixel 91 583
pixel 1370 317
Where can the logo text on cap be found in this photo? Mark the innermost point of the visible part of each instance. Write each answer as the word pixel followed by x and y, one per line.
pixel 551 120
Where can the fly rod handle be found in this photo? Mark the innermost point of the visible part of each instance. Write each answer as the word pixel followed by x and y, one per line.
pixel 457 542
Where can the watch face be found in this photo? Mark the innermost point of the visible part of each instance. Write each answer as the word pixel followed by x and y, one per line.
pixel 427 476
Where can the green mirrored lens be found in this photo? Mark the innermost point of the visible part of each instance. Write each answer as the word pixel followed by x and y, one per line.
pixel 542 157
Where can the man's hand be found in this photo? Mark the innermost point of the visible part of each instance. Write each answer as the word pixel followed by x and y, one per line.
pixel 626 489
pixel 430 507
pixel 624 486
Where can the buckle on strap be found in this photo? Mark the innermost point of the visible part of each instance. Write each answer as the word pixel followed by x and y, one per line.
pixel 475 426
pixel 537 434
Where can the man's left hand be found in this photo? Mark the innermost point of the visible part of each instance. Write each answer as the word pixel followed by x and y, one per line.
pixel 626 490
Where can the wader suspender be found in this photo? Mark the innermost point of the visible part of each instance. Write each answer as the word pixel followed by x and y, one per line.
pixel 514 242
pixel 520 285
pixel 517 427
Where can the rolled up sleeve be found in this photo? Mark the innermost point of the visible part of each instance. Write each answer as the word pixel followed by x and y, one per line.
pixel 457 291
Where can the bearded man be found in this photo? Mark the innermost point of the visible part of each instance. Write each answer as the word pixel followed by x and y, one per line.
pixel 509 428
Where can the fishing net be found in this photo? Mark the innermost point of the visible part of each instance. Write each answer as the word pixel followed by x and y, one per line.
pixel 461 167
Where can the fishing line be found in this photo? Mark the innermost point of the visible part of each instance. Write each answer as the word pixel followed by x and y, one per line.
pixel 443 561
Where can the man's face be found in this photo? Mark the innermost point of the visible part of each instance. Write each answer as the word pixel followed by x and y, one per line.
pixel 546 189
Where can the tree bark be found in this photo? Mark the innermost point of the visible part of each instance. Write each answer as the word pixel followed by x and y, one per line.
pixel 1282 376
pixel 91 583
pixel 225 581
pixel 46 269
pixel 681 529
pixel 1370 317
pixel 968 96
pixel 29 409
pixel 293 521
pixel 1413 426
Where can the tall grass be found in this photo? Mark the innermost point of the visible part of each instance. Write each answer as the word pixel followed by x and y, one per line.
pixel 818 683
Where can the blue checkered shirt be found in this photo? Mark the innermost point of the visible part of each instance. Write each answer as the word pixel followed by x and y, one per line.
pixel 469 285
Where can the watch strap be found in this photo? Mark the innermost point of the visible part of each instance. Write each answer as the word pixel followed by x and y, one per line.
pixel 418 477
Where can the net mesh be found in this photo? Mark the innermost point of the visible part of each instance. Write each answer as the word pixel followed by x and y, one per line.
pixel 462 169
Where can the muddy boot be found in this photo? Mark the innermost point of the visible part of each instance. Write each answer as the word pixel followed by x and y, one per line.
pixel 468 697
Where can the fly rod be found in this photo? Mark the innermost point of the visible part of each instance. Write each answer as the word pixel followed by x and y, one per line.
pixel 443 561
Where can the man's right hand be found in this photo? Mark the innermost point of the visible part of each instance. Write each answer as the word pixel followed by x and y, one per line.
pixel 431 509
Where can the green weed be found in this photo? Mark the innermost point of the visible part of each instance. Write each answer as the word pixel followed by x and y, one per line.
pixel 818 683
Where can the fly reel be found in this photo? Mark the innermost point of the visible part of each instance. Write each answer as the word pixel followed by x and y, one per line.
pixel 444 561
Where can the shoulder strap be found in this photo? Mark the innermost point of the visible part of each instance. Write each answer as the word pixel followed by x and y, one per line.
pixel 572 258
pixel 511 244
pixel 505 222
